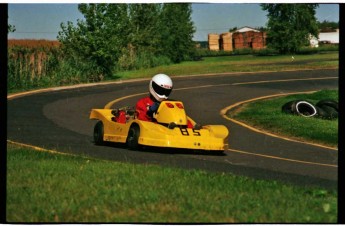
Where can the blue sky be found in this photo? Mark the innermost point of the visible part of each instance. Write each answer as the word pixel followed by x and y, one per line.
pixel 42 21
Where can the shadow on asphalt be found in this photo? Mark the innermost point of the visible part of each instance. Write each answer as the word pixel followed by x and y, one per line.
pixel 162 150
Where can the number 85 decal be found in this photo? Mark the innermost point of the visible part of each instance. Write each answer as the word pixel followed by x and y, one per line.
pixel 184 132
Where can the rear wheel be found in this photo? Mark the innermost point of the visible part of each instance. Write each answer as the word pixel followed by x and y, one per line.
pixel 98 133
pixel 133 137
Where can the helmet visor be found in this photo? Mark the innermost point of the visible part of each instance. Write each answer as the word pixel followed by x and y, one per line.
pixel 161 90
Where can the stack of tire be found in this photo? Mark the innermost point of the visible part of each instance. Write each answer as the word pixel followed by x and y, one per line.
pixel 325 109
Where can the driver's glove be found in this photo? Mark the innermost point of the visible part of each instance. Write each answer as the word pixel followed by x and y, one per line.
pixel 153 108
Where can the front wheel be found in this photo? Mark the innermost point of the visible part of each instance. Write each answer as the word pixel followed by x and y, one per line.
pixel 133 137
pixel 98 133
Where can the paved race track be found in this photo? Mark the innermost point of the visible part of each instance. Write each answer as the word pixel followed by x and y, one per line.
pixel 59 120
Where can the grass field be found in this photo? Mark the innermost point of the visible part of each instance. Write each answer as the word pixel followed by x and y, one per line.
pixel 245 63
pixel 268 116
pixel 44 187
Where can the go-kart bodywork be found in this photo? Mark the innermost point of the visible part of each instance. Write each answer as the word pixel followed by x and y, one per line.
pixel 172 128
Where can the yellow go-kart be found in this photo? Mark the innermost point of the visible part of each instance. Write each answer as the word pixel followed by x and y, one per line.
pixel 171 128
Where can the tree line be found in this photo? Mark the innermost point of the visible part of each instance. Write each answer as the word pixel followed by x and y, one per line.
pixel 129 36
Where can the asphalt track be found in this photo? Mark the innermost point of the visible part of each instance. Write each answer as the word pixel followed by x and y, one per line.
pixel 59 120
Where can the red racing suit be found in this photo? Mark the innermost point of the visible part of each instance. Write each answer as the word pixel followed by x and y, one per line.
pixel 142 108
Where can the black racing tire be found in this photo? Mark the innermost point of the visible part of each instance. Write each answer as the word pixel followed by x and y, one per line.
pixel 330 103
pixel 305 108
pixel 330 107
pixel 133 137
pixel 98 133
pixel 290 107
pixel 329 112
pixel 321 113
pixel 300 107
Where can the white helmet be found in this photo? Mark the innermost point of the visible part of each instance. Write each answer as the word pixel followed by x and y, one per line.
pixel 160 87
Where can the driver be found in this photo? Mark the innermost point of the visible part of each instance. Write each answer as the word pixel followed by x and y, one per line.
pixel 160 88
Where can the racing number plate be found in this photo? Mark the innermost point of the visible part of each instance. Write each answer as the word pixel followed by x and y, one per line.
pixel 184 132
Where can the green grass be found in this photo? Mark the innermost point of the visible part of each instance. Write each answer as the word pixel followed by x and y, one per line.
pixel 45 187
pixel 244 63
pixel 267 115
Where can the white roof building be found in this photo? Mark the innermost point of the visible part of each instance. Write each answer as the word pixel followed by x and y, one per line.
pixel 246 29
pixel 329 37
pixel 325 37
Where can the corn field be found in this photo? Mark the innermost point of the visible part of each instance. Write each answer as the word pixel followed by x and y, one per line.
pixel 36 64
pixel 31 63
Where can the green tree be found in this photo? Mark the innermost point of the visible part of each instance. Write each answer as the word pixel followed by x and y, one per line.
pixel 144 27
pixel 233 29
pixel 143 41
pixel 328 26
pixel 177 31
pixel 97 40
pixel 128 36
pixel 11 28
pixel 290 25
